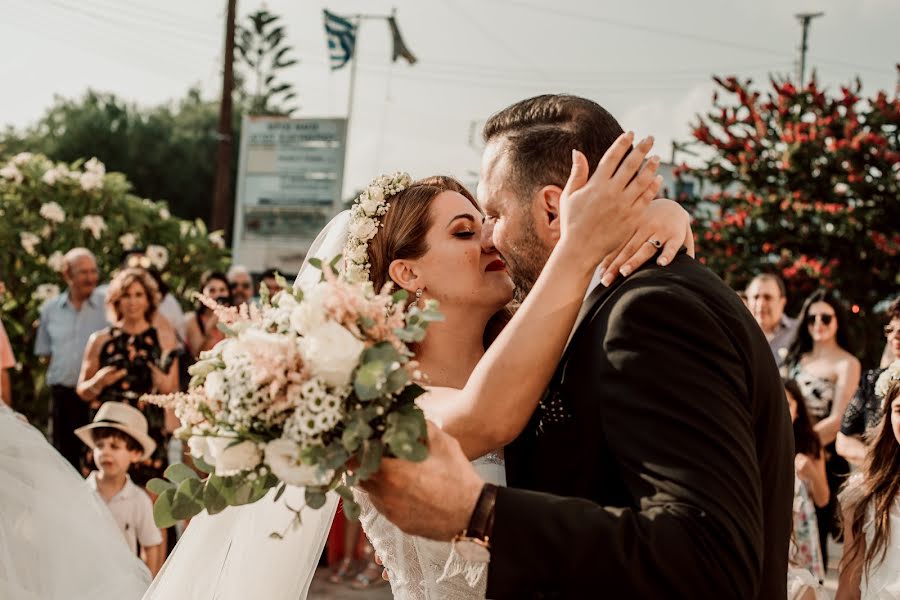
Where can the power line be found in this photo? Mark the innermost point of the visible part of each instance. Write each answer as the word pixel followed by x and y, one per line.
pixel 638 27
pixel 106 20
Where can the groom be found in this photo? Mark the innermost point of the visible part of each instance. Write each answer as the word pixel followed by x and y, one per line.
pixel 660 462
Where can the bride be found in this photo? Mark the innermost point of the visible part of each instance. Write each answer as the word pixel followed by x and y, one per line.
pixel 430 244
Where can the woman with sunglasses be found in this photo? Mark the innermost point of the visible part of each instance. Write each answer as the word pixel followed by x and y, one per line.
pixel 820 361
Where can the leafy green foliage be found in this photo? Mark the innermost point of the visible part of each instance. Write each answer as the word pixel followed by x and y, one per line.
pixel 262 54
pixel 75 193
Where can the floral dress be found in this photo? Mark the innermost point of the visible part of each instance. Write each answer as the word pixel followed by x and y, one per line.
pixel 806 552
pixel 135 353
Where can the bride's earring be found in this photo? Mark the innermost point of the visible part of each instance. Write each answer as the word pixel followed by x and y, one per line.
pixel 419 296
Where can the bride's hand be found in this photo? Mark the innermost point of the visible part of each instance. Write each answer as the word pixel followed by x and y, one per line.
pixel 600 214
pixel 665 225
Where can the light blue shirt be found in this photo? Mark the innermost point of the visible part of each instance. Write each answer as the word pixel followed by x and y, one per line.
pixel 64 332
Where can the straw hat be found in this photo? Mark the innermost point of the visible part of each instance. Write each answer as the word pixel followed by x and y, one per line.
pixel 125 418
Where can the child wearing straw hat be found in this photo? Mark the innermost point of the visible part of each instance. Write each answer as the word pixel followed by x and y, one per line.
pixel 118 438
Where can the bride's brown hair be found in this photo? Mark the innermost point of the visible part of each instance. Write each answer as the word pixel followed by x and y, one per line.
pixel 879 488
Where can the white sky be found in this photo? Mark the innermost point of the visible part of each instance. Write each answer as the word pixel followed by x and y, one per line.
pixel 648 62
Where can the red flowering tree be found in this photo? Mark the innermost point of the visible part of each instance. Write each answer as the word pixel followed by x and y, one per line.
pixel 803 183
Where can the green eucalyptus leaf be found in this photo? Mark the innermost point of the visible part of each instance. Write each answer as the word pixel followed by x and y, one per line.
pixel 315 498
pixel 178 472
pixel 187 501
pixel 162 510
pixel 351 510
pixel 159 486
pixel 214 495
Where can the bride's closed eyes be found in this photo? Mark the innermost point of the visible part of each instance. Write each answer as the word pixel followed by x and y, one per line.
pixel 465 226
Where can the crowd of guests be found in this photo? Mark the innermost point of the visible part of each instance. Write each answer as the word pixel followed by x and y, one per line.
pixel 108 345
pixel 844 421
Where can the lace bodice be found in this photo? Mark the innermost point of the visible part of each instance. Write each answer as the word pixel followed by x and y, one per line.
pixel 416 564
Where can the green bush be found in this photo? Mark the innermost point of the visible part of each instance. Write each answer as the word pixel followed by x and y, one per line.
pixel 48 208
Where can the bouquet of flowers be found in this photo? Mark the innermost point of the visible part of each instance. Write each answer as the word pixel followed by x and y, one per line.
pixel 310 389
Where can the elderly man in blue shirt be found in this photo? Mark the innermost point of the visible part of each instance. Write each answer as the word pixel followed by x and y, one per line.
pixel 66 323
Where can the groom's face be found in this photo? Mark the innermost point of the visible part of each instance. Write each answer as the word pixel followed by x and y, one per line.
pixel 510 225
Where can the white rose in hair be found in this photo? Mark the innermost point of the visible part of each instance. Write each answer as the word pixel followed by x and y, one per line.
pixel 332 353
pixel 231 458
pixel 357 254
pixel 363 229
pixel 283 457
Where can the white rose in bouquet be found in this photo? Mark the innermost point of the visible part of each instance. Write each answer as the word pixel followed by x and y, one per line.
pixel 199 447
pixel 283 458
pixel 230 458
pixel 332 353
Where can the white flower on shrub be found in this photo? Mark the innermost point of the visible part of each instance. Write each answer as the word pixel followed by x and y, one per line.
pixel 45 291
pixel 164 214
pixel 57 261
pixel 12 173
pixel 95 166
pixel 53 212
pixel 283 457
pixel 217 239
pixel 46 232
pixel 185 228
pixel 841 188
pixel 158 255
pixel 128 241
pixel 29 241
pixel 91 181
pixel 95 224
pixel 230 458
pixel 332 353
pixel 21 158
pixel 51 176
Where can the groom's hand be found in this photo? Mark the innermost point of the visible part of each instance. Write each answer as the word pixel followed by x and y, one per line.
pixel 434 498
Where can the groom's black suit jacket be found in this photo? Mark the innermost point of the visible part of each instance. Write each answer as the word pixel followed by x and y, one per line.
pixel 660 462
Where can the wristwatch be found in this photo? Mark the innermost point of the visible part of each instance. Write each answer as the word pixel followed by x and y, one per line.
pixel 473 544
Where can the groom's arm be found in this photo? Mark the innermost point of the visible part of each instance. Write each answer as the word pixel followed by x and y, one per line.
pixel 677 420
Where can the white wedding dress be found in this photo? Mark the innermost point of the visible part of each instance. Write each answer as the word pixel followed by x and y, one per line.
pixel 58 540
pixel 416 565
pixel 883 581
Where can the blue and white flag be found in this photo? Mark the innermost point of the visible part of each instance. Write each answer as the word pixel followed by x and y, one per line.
pixel 341 34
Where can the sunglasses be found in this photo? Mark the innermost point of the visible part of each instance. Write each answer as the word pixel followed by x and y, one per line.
pixel 889 331
pixel 825 319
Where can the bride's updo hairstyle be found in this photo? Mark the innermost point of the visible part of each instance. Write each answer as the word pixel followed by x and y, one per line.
pixel 406 225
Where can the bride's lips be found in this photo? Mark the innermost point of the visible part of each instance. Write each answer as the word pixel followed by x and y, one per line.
pixel 496 265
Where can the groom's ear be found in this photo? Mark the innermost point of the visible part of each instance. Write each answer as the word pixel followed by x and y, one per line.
pixel 546 210
pixel 404 274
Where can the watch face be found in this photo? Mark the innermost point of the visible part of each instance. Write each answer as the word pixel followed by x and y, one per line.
pixel 472 551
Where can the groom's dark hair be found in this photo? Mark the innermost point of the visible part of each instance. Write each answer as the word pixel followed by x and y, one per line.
pixel 541 133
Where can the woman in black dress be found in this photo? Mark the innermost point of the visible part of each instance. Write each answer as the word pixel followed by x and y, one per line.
pixel 132 358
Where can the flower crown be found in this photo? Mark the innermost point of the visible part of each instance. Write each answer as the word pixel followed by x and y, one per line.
pixel 365 219
pixel 890 375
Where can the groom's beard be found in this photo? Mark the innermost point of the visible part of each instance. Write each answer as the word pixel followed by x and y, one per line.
pixel 525 261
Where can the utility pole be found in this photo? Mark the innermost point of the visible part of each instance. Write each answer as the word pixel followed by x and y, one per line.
pixel 805 19
pixel 221 208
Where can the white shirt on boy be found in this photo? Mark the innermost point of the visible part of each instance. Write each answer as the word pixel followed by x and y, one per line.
pixel 133 512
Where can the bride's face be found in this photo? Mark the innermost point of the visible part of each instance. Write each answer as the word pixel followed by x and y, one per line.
pixel 455 269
